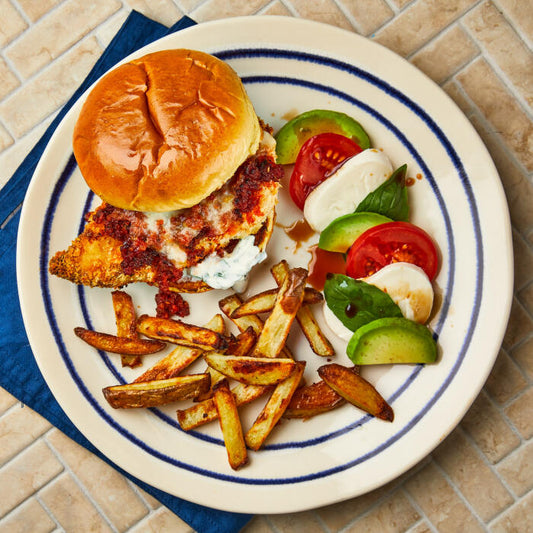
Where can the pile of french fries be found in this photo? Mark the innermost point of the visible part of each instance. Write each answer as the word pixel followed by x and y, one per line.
pixel 239 368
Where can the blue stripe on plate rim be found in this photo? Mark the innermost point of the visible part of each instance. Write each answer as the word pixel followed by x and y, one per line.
pixel 444 141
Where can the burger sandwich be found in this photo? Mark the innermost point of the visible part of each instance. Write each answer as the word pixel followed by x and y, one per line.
pixel 186 173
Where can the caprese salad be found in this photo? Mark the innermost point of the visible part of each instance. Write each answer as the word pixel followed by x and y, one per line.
pixel 379 296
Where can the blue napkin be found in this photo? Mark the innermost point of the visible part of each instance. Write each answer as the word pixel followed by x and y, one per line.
pixel 19 373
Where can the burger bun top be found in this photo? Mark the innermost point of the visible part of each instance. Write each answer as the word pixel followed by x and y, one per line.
pixel 164 131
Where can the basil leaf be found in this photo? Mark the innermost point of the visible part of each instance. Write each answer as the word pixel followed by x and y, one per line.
pixel 390 198
pixel 356 303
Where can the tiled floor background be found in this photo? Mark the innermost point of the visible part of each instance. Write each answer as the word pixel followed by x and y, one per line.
pixel 481 477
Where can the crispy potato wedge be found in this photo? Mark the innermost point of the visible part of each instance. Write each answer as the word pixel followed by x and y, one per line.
pixel 310 328
pixel 120 345
pixel 230 424
pixel 178 332
pixel 278 324
pixel 230 303
pixel 239 346
pixel 312 400
pixel 204 412
pixel 126 319
pixel 263 302
pixel 154 393
pixel 180 357
pixel 356 390
pixel 274 408
pixel 251 370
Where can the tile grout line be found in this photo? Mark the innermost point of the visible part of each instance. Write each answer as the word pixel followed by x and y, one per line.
pixel 80 485
pixel 501 74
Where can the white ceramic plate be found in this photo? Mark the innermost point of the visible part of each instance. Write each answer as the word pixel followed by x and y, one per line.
pixel 290 65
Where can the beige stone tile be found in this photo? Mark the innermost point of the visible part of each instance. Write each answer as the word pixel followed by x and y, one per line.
pixel 523 355
pixel 303 522
pixel 5 139
pixel 505 380
pixel 322 11
pixel 519 327
pixel 26 474
pixel 520 413
pixel 520 14
pixel 419 23
pixel 489 429
pixel 71 508
pixel 468 471
pixel 518 518
pixel 257 524
pixel 35 10
pixel 18 429
pixel 188 5
pixel 107 30
pixel 30 517
pixel 523 261
pixel 6 400
pixel 517 186
pixel 423 527
pixel 213 9
pixel 369 15
pixel 401 3
pixel 12 22
pixel 276 8
pixel 11 158
pixel 105 485
pixel 442 506
pixel 393 515
pixel 456 94
pixel 152 502
pixel 506 49
pixel 50 89
pixel 444 56
pixel 500 108
pixel 338 515
pixel 9 79
pixel 55 34
pixel 164 11
pixel 517 470
pixel 162 520
pixel 525 297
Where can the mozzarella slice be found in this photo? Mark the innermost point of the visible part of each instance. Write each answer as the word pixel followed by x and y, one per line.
pixel 335 325
pixel 344 190
pixel 408 286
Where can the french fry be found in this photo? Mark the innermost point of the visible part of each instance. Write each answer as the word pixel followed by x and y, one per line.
pixel 239 346
pixel 312 400
pixel 356 390
pixel 278 324
pixel 274 409
pixel 126 319
pixel 120 345
pixel 251 370
pixel 263 302
pixel 204 412
pixel 230 303
pixel 154 393
pixel 314 335
pixel 180 357
pixel 178 332
pixel 230 424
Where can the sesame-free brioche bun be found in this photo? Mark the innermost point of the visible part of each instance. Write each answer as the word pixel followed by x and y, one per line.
pixel 164 131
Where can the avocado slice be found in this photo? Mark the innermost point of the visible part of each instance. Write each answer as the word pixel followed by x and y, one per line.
pixel 392 340
pixel 292 135
pixel 343 231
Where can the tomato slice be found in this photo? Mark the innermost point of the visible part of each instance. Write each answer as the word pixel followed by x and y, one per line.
pixel 319 157
pixel 392 242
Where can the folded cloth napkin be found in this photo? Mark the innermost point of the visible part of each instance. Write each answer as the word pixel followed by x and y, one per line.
pixel 19 373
